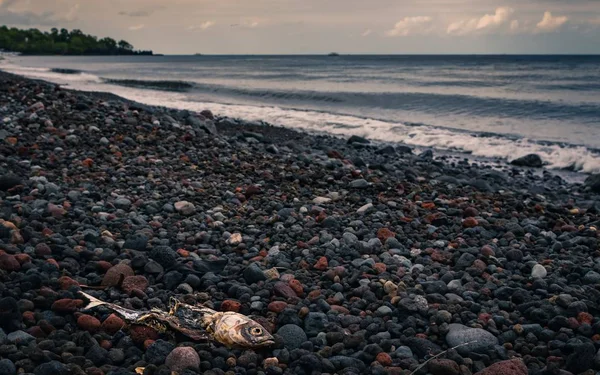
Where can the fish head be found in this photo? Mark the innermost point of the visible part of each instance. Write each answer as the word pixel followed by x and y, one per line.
pixel 236 330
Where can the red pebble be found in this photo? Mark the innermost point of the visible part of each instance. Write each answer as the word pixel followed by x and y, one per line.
pixel 88 323
pixel 384 359
pixel 131 283
pixel 322 264
pixel 67 305
pixel 65 282
pixel 470 222
pixel 384 233
pixel 230 305
pixel 112 324
pixel 277 306
pixel 296 287
pixel 8 262
pixel 139 334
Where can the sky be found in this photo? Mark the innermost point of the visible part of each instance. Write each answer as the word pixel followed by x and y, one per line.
pixel 323 26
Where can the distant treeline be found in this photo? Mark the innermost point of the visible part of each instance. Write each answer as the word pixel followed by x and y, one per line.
pixel 62 42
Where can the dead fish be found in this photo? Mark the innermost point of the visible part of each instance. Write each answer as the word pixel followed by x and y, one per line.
pixel 198 323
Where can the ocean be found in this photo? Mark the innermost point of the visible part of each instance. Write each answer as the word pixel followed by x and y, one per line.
pixel 490 107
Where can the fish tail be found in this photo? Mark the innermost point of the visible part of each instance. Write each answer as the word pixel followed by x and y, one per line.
pixel 93 301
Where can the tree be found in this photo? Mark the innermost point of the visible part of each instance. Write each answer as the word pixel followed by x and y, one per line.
pixel 125 45
pixel 63 42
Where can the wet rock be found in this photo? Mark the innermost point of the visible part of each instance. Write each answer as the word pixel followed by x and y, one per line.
pixel 531 160
pixel 51 368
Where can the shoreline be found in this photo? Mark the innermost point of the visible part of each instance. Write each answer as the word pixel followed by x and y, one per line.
pixel 359 258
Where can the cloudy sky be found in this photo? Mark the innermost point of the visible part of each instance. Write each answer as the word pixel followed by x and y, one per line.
pixel 321 26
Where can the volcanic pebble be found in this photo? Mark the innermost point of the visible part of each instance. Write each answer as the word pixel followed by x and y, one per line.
pixel 131 283
pixel 117 274
pixel 182 358
pixel 112 324
pixel 89 323
pixel 510 367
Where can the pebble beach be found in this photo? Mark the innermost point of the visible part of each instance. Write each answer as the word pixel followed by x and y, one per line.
pixel 360 258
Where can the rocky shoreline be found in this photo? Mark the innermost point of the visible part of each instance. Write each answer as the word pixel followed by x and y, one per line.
pixel 358 258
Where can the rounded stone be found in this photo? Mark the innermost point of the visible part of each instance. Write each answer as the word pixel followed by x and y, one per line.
pixel 182 358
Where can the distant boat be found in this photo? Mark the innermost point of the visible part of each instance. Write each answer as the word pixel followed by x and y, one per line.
pixel 197 54
pixel 333 54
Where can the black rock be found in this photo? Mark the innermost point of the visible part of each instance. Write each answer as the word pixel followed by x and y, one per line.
pixel 136 242
pixel 158 352
pixel 582 358
pixel 7 367
pixel 387 150
pixel 51 368
pixel 593 182
pixel 293 336
pixel 531 160
pixel 314 323
pixel 357 139
pixel 253 274
pixel 164 255
pixel 10 316
pixel 97 354
pixel 403 149
pixel 8 182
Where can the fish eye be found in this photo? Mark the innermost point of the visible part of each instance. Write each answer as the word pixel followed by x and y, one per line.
pixel 256 331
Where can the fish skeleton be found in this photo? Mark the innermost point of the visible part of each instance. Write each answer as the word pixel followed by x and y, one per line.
pixel 198 323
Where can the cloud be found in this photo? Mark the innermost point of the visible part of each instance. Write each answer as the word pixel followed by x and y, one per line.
pixel 514 25
pixel 411 25
pixel 486 22
pixel 25 17
pixel 136 13
pixel 367 32
pixel 550 23
pixel 202 26
pixel 72 13
pixel 137 27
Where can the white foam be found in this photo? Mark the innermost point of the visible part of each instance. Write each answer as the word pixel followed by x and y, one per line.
pixel 578 158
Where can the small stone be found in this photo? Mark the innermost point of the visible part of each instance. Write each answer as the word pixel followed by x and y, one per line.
pixel 530 160
pixel 51 368
pixel 116 274
pixel 359 184
pixel 67 305
pixel 88 323
pixel 235 239
pixel 444 367
pixel 20 338
pixel 384 233
pixel 321 264
pixel 8 182
pixel 293 336
pixel 470 222
pixel 510 367
pixel 230 305
pixel 185 208
pixel 254 274
pixel 8 262
pixel 364 209
pixel 131 283
pixel 384 359
pixel 182 358
pixel 479 339
pixel 7 367
pixel 139 334
pixel 277 306
pixel 112 324
pixel 539 271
